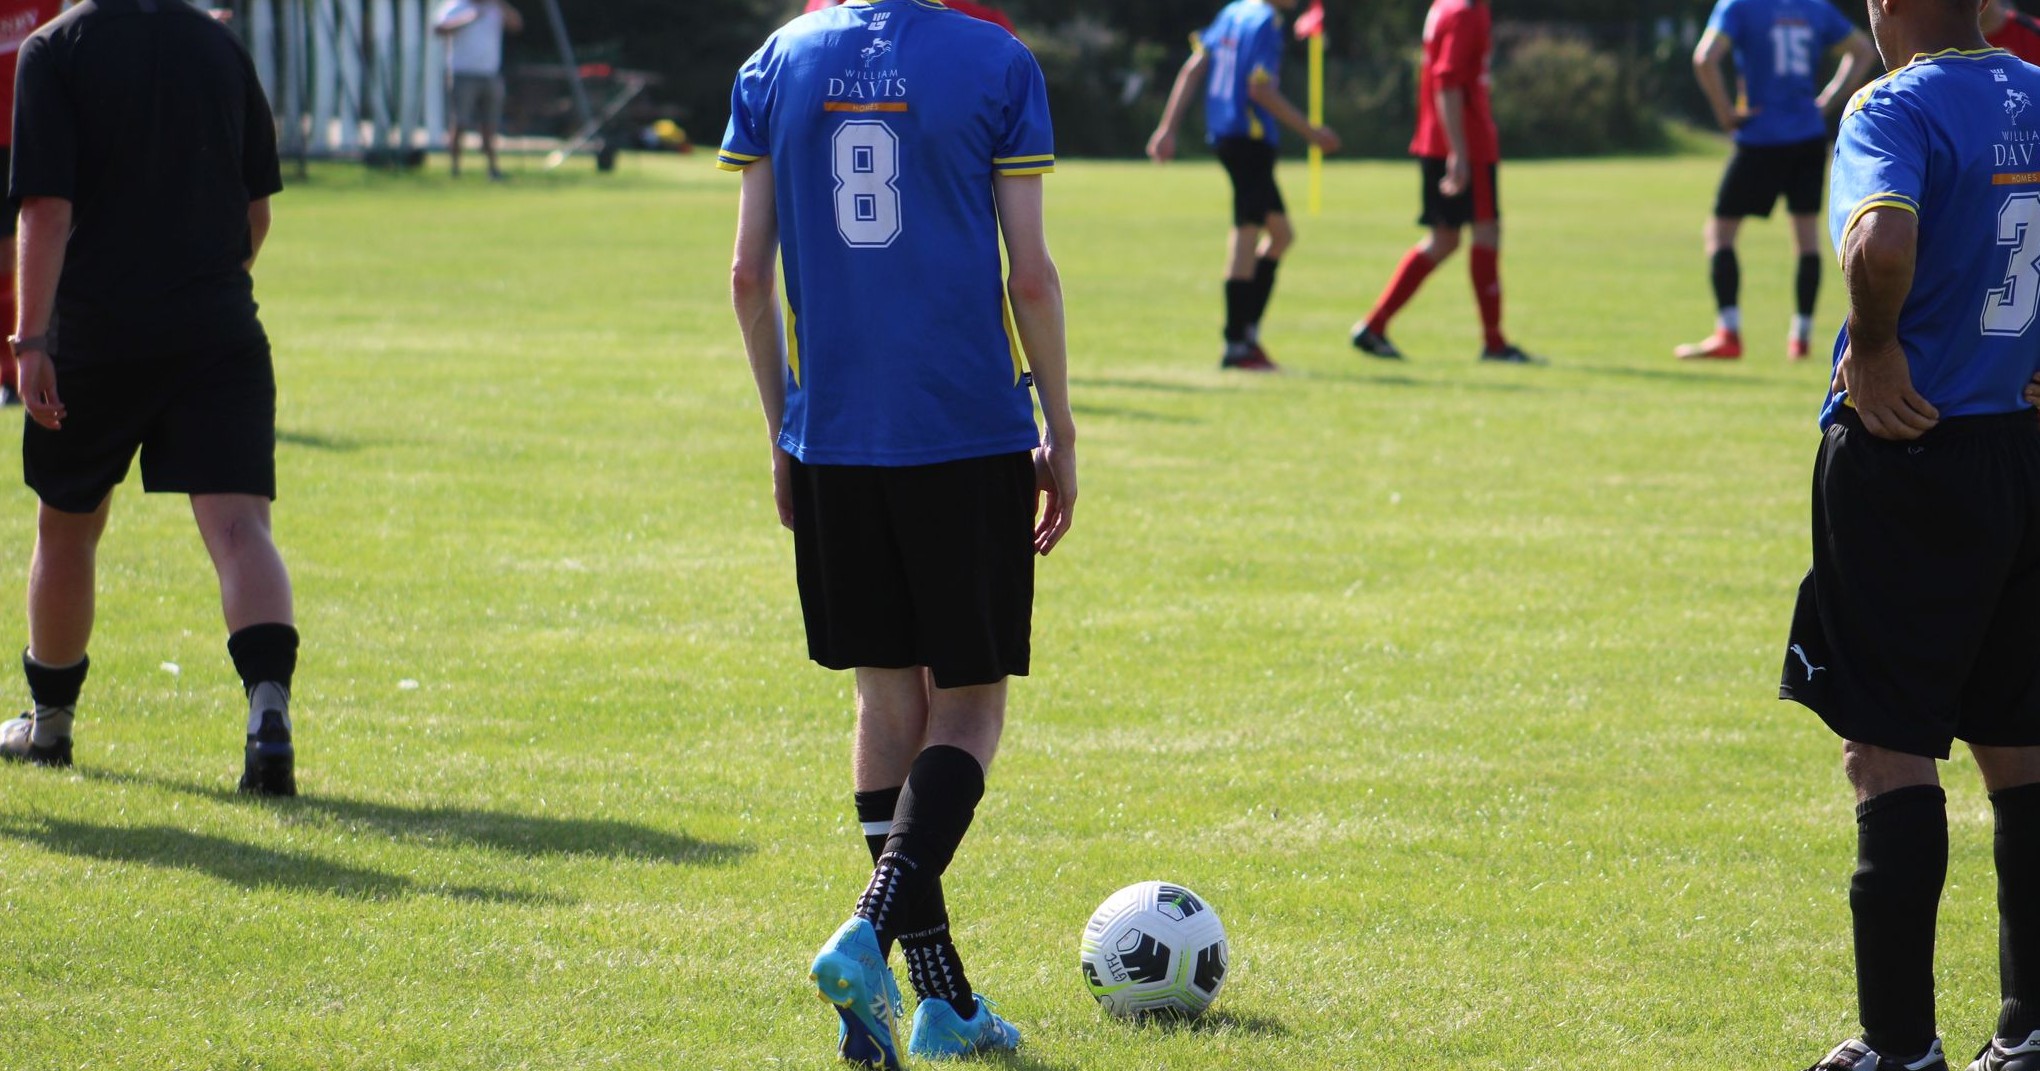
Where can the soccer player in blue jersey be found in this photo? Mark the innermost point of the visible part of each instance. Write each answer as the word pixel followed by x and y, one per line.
pixel 887 147
pixel 1238 60
pixel 1918 623
pixel 1781 143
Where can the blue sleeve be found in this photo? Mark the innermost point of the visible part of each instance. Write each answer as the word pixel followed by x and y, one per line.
pixel 1834 27
pixel 1880 161
pixel 1723 20
pixel 1027 146
pixel 1207 38
pixel 747 139
pixel 1267 52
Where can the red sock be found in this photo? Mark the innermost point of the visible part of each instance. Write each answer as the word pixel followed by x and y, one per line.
pixel 8 376
pixel 1409 275
pixel 1487 289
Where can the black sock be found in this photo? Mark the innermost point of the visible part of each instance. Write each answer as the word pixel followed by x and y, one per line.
pixel 2017 846
pixel 1901 864
pixel 1727 273
pixel 1809 282
pixel 1239 307
pixel 53 686
pixel 936 971
pixel 1264 288
pixel 875 809
pixel 936 805
pixel 264 653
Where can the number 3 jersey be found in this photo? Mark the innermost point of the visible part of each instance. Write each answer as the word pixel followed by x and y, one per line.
pixel 885 125
pixel 1954 138
pixel 1779 48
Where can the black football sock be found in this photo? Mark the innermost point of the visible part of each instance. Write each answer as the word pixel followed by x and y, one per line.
pixel 2017 846
pixel 266 658
pixel 54 691
pixel 1727 275
pixel 875 814
pixel 1809 282
pixel 1264 288
pixel 936 806
pixel 1901 864
pixel 1239 307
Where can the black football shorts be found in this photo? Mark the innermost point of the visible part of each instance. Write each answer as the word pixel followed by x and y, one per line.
pixel 925 565
pixel 1758 175
pixel 1250 162
pixel 204 423
pixel 1920 620
pixel 1479 202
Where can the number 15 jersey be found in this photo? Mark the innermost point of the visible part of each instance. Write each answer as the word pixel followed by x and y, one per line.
pixel 1954 138
pixel 885 124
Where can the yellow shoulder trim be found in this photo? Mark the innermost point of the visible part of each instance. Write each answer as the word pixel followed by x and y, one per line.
pixel 1870 204
pixel 1022 159
pixel 1973 53
pixel 1020 171
pixel 725 165
pixel 1197 43
pixel 742 158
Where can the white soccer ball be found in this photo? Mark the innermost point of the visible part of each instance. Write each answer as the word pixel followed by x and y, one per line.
pixel 1154 949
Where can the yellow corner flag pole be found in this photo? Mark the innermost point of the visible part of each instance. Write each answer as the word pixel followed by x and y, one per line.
pixel 1317 118
pixel 1311 27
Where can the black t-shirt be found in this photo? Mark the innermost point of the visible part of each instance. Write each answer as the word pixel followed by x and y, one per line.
pixel 147 116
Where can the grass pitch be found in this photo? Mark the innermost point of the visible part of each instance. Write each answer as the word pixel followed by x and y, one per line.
pixel 1448 685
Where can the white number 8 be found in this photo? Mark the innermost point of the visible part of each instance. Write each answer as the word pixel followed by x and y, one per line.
pixel 867 160
pixel 2010 309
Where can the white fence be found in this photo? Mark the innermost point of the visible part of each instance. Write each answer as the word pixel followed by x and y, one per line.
pixel 348 77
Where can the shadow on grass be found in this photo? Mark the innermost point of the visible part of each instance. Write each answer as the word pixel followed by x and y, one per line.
pixel 519 834
pixel 1675 375
pixel 315 441
pixel 1400 379
pixel 1157 385
pixel 1225 1022
pixel 246 865
pixel 1108 411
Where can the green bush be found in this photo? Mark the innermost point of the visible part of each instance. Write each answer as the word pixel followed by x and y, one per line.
pixel 1555 94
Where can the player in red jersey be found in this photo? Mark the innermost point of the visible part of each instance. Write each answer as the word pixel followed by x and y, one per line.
pixel 18 19
pixel 977 11
pixel 1459 152
pixel 2006 27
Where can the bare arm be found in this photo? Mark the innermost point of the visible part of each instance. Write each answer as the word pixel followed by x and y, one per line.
pixel 1458 165
pixel 1036 293
pixel 258 229
pixel 513 19
pixel 1162 145
pixel 1264 93
pixel 1878 258
pixel 447 27
pixel 754 290
pixel 1859 58
pixel 1707 57
pixel 45 232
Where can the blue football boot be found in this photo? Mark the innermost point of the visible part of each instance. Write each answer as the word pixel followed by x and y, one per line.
pixel 941 1034
pixel 852 975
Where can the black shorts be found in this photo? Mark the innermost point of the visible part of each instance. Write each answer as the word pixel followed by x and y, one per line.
pixel 1480 202
pixel 928 565
pixel 1918 623
pixel 204 424
pixel 1251 164
pixel 1758 174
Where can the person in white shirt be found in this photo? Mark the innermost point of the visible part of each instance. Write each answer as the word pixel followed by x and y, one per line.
pixel 474 61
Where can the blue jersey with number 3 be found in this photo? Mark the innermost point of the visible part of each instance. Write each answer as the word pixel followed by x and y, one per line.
pixel 1779 49
pixel 1954 138
pixel 885 125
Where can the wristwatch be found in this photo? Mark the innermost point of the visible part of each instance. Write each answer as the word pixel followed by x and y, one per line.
pixel 38 343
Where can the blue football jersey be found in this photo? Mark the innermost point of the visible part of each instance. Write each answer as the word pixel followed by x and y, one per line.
pixel 1245 45
pixel 1955 139
pixel 885 124
pixel 1779 48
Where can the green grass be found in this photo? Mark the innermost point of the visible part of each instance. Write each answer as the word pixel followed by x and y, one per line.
pixel 1449 685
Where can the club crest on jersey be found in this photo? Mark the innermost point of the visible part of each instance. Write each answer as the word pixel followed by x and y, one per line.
pixel 2016 104
pixel 877 50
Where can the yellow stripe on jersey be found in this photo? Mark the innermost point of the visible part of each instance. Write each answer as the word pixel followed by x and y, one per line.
pixel 1197 44
pixel 1023 172
pixel 1004 160
pixel 792 346
pixel 1866 206
pixel 1013 340
pixel 734 161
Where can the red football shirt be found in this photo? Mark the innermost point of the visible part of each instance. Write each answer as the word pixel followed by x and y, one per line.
pixel 1458 36
pixel 2020 36
pixel 18 19
pixel 976 11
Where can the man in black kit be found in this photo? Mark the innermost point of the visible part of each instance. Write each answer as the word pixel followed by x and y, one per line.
pixel 144 159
